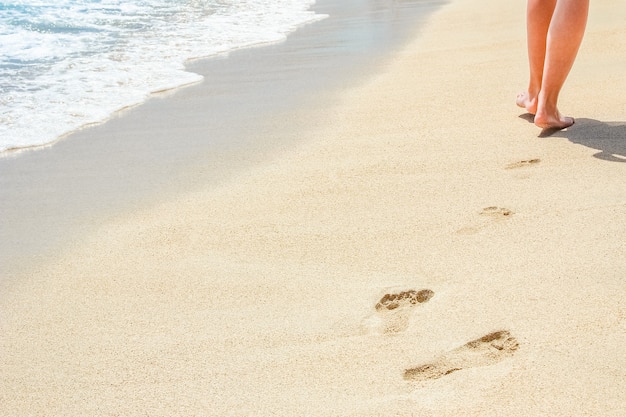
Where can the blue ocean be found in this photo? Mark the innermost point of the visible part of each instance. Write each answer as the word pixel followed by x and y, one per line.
pixel 69 63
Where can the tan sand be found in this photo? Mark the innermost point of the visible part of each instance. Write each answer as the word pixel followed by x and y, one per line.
pixel 265 296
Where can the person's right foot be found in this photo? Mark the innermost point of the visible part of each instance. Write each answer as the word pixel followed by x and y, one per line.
pixel 553 122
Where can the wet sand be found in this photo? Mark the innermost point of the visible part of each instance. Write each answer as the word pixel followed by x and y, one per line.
pixel 420 249
pixel 244 110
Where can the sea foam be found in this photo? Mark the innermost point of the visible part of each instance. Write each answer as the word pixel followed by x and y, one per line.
pixel 69 63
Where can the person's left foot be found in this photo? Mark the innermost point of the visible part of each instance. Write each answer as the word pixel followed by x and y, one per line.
pixel 524 101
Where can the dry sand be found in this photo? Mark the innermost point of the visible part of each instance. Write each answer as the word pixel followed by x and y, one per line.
pixel 266 295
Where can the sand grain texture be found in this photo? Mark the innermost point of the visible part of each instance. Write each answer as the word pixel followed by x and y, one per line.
pixel 258 297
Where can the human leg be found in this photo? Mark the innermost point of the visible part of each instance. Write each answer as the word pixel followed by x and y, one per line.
pixel 565 35
pixel 538 16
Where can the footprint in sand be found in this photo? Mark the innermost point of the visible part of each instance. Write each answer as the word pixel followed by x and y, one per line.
pixel 496 213
pixel 487 350
pixel 522 164
pixel 393 311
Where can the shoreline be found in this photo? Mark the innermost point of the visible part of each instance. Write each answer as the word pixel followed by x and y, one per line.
pixel 140 156
pixel 403 257
pixel 193 32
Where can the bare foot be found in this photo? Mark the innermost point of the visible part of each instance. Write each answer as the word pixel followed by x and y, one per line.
pixel 524 101
pixel 557 121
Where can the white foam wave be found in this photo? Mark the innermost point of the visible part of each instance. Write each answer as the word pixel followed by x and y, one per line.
pixel 71 63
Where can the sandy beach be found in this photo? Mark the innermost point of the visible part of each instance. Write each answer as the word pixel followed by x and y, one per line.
pixel 412 246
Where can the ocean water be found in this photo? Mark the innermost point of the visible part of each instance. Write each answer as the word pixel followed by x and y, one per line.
pixel 68 63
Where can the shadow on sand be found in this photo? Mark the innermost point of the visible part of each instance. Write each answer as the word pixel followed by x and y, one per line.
pixel 609 138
